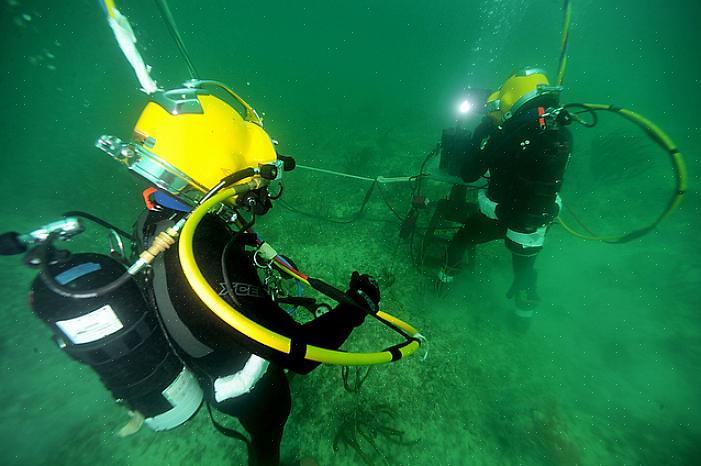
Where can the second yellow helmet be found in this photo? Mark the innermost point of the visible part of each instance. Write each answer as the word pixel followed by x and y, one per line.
pixel 520 88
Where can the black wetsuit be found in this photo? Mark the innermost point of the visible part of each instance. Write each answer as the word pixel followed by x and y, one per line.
pixel 264 411
pixel 526 160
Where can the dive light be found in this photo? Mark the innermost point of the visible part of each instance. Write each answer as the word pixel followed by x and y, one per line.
pixel 12 243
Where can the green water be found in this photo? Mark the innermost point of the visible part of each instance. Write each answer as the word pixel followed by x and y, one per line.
pixel 608 372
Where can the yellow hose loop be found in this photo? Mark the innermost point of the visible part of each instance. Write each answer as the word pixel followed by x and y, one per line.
pixel 680 172
pixel 252 329
pixel 571 230
pixel 398 322
pixel 340 358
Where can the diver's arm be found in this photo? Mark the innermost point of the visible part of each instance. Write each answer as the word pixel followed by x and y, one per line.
pixel 329 330
pixel 475 161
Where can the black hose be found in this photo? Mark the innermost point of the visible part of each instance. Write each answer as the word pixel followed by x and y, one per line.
pixel 238 176
pixel 279 193
pixel 350 219
pixel 173 30
pixel 212 192
pixel 389 206
pixel 99 221
pixel 227 181
pixel 59 289
pixel 421 175
pixel 342 298
pixel 244 226
pixel 585 109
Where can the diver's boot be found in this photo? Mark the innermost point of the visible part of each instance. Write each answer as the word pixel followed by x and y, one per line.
pixel 447 273
pixel 444 275
pixel 526 301
pixel 523 288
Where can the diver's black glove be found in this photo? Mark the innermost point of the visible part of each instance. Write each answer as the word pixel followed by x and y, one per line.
pixel 365 291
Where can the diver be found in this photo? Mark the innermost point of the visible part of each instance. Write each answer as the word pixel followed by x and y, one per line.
pixel 193 312
pixel 521 148
pixel 239 377
pixel 187 139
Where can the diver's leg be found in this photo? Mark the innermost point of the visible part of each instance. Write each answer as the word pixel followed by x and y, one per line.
pixel 263 413
pixel 266 422
pixel 523 288
pixel 478 229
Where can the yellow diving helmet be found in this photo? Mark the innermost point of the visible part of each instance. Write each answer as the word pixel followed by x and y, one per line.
pixel 520 88
pixel 187 140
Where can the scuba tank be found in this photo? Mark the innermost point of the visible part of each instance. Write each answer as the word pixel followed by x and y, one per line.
pixel 116 333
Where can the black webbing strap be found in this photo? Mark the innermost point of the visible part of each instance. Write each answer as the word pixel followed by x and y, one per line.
pixel 169 315
pixel 298 349
pixel 231 433
pixel 395 350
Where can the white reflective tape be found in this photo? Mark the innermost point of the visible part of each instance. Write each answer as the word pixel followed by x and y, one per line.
pixel 185 396
pixel 92 326
pixel 242 381
pixel 487 206
pixel 529 240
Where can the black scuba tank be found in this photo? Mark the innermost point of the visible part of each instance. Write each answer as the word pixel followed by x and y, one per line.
pixel 119 336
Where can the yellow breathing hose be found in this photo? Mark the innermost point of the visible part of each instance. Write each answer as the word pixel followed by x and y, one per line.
pixel 562 65
pixel 652 130
pixel 257 332
pixel 662 140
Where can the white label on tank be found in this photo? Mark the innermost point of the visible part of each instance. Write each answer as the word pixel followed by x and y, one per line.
pixel 92 326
